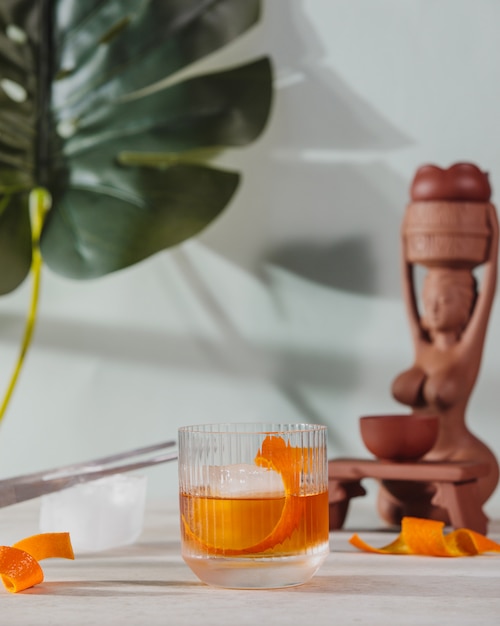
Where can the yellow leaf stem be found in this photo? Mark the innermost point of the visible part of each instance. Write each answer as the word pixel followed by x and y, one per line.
pixel 39 205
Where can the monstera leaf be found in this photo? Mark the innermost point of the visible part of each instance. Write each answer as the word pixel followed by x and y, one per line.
pixel 92 110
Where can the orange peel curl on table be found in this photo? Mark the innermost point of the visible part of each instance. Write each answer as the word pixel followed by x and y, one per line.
pixel 19 566
pixel 288 461
pixel 426 538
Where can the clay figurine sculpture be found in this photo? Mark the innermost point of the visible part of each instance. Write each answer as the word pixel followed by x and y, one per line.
pixel 450 227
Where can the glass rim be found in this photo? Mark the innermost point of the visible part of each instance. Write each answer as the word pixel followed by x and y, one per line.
pixel 251 428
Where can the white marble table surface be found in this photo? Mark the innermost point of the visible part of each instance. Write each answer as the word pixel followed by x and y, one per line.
pixel 148 584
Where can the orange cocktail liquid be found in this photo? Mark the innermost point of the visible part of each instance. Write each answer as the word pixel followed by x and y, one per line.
pixel 231 526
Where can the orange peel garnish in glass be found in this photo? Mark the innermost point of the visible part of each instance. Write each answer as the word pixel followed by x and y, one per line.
pixel 19 567
pixel 425 537
pixel 275 454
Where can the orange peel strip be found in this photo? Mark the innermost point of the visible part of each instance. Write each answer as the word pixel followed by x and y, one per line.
pixel 19 567
pixel 47 545
pixel 425 537
pixel 288 461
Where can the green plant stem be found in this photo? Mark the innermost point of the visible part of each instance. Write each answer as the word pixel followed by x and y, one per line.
pixel 39 205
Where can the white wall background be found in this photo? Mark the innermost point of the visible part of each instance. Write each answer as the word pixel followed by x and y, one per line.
pixel 287 308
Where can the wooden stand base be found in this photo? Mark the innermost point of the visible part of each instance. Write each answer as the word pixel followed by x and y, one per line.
pixel 455 483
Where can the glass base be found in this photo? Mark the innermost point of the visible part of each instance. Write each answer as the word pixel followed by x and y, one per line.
pixel 257 573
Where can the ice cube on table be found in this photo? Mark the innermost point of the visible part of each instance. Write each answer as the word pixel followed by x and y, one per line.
pixel 243 480
pixel 100 514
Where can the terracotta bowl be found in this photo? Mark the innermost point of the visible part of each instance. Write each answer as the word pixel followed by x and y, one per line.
pixel 399 437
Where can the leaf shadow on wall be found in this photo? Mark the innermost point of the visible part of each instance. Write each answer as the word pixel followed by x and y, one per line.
pixel 309 154
pixel 319 108
pixel 349 237
pixel 308 204
pixel 288 368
